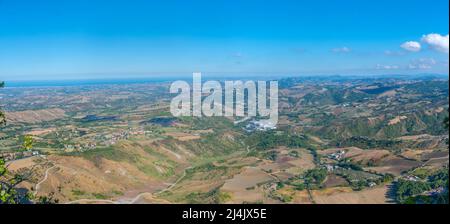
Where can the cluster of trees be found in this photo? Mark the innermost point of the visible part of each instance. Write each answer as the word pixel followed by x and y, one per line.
pixel 358 185
pixel 272 139
pixel 349 165
pixel 311 179
pixel 315 177
pixel 407 188
pixel 439 179
pixel 271 155
pixel 413 191
pixel 365 142
pixel 446 122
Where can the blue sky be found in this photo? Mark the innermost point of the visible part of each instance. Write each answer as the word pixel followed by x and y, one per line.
pixel 98 39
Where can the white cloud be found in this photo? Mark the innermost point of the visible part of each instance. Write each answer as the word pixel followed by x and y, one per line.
pixel 341 50
pixel 436 42
pixel 422 63
pixel 411 46
pixel 386 67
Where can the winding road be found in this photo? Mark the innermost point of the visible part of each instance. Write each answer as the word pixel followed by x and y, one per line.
pixel 38 185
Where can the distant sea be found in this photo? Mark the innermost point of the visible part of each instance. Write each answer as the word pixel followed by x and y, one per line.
pixel 87 82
